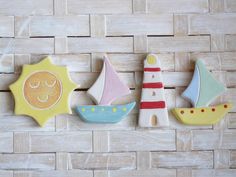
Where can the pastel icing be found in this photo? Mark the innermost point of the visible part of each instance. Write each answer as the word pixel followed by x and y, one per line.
pixel 202 116
pixel 43 91
pixel 108 86
pixel 193 90
pixel 204 88
pixel 153 109
pixel 104 91
pixel 104 114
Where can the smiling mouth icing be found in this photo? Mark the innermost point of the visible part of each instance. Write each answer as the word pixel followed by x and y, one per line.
pixel 43 99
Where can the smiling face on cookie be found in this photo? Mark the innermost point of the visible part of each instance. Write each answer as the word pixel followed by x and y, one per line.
pixel 42 90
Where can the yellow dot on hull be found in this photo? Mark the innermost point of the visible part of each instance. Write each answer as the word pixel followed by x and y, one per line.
pixel 114 109
pixel 92 109
pixel 151 60
pixel 83 109
pixel 124 109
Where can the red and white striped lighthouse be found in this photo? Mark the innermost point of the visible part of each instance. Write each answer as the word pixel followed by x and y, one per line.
pixel 153 110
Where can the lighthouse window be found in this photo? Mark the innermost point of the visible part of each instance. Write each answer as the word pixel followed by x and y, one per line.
pixel 153 93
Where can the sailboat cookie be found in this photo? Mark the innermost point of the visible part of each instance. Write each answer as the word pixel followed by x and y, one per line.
pixel 202 90
pixel 105 90
pixel 42 91
pixel 153 110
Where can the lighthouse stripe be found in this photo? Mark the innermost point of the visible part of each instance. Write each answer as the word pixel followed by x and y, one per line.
pixel 152 105
pixel 153 85
pixel 152 69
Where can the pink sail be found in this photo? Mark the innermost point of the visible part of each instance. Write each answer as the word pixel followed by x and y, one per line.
pixel 108 86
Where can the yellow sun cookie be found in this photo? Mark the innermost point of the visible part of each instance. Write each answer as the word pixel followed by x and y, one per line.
pixel 43 91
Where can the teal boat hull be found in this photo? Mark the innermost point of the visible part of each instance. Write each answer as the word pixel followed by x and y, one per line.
pixel 104 114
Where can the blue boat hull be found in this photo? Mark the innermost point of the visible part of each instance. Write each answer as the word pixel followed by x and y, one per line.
pixel 104 114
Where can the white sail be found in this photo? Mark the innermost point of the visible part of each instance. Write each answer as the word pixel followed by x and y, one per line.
pixel 96 91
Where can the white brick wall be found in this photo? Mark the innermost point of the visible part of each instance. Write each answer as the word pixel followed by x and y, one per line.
pixel 77 33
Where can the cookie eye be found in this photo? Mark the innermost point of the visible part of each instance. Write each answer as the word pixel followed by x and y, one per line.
pixel 34 85
pixel 50 85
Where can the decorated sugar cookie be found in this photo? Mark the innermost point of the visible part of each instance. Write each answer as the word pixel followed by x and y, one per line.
pixel 153 110
pixel 42 91
pixel 202 90
pixel 105 90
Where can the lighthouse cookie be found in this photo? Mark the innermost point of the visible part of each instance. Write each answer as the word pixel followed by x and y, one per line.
pixel 153 110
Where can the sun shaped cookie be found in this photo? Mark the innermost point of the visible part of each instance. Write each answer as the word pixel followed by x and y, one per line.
pixel 43 91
